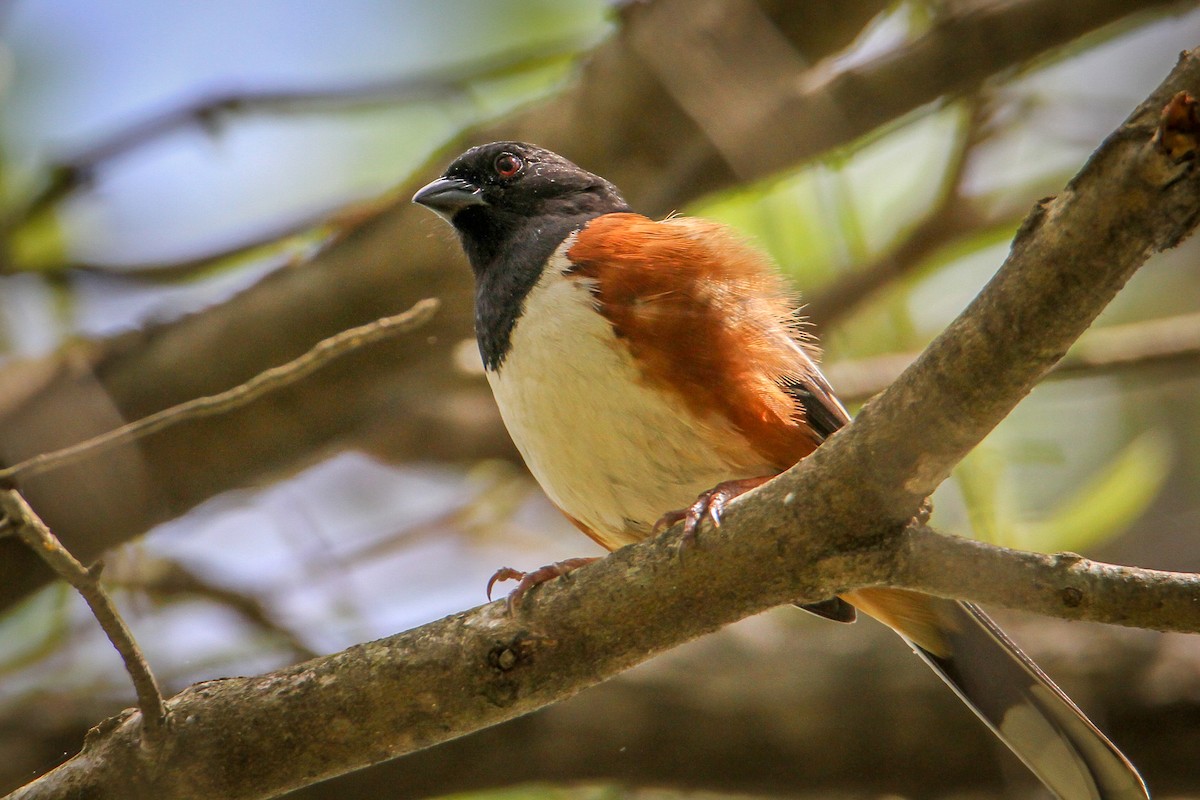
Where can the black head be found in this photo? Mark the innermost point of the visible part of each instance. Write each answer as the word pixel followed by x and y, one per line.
pixel 491 192
pixel 513 204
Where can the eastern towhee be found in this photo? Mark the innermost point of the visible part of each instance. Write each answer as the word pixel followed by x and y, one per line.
pixel 640 365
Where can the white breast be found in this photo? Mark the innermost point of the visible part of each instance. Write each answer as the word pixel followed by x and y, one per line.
pixel 608 450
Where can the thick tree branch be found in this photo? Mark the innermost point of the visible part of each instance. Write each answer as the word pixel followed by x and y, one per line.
pixel 1096 233
pixel 833 522
pixel 839 691
pixel 379 700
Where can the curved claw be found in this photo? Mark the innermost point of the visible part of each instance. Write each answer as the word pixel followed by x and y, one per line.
pixel 528 580
pixel 503 574
pixel 709 504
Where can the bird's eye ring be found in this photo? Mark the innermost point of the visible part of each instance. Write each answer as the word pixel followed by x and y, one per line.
pixel 507 165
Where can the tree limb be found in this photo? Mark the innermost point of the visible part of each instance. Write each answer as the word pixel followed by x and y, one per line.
pixel 1063 585
pixel 269 380
pixel 824 109
pixel 29 527
pixel 836 521
pixel 788 705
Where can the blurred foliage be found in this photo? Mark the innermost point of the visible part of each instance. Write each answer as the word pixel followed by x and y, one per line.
pixel 38 244
pixel 1101 507
pixel 36 628
pixel 833 216
pixel 1107 503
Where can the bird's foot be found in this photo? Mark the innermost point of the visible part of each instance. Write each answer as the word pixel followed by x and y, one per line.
pixel 709 504
pixel 528 580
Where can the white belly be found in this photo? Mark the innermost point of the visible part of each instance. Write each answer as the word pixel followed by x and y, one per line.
pixel 608 450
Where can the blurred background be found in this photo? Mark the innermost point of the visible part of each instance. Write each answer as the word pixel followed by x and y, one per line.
pixel 191 193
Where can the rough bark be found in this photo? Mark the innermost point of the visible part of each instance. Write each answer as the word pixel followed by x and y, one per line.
pixel 782 705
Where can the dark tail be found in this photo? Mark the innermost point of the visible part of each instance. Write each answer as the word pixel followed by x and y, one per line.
pixel 1010 694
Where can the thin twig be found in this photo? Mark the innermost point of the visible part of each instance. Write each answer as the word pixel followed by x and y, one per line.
pixel 266 381
pixel 29 526
pixel 302 234
pixel 71 173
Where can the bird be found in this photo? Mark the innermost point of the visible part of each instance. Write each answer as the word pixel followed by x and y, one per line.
pixel 649 371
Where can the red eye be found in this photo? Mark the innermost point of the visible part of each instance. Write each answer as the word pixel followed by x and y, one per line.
pixel 507 165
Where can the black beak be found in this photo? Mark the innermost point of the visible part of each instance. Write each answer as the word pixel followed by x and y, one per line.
pixel 447 196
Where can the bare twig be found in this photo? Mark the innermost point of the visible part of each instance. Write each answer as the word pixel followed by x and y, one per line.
pixel 1172 340
pixel 30 528
pixel 72 173
pixel 267 381
pixel 286 241
pixel 1136 344
pixel 301 236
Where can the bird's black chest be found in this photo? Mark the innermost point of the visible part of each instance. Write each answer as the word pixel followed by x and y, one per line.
pixel 505 272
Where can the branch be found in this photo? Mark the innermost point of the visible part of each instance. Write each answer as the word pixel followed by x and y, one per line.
pixel 724 695
pixel 1163 341
pixel 327 714
pixel 785 705
pixel 267 381
pixel 75 172
pixel 834 522
pixel 33 532
pixel 1069 259
pixel 825 109
pixel 1064 585
pixel 1172 340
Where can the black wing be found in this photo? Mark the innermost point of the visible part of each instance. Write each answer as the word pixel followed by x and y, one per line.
pixel 823 412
